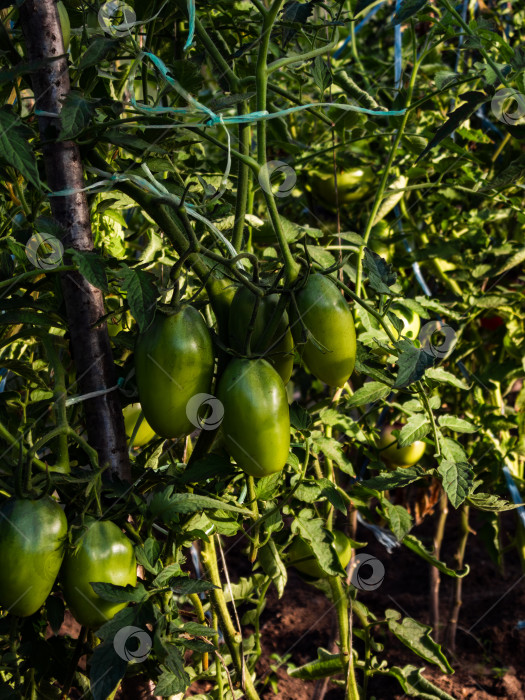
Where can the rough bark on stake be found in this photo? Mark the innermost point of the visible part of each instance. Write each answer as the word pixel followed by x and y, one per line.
pixel 84 303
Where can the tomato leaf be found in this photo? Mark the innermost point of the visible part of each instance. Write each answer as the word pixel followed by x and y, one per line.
pixel 321 74
pixel 490 502
pixel 169 684
pixel 381 275
pixel 415 428
pixel 119 594
pixel 472 101
pixel 438 374
pixel 95 52
pixel 458 425
pixel 412 362
pixel 397 478
pixel 141 295
pixel 167 505
pixel 299 417
pixel 169 572
pixel 312 530
pixel 273 566
pixel 107 669
pixel 457 480
pixel 267 487
pixel 399 518
pixel 415 685
pixel 91 266
pixel 326 665
pixel 452 450
pixel 416 637
pixel 416 546
pixel 76 115
pixel 15 149
pixel 184 585
pixel 369 393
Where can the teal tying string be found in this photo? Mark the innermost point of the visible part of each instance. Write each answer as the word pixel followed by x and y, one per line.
pixel 191 29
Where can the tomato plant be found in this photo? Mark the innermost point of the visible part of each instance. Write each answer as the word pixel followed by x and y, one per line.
pixel 288 238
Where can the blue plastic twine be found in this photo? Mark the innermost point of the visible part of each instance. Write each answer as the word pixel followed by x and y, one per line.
pixel 191 28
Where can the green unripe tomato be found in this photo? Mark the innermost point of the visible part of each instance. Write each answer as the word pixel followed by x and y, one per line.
pixel 278 349
pixel 399 456
pixel 64 23
pixel 145 433
pixel 327 316
pixel 104 555
pixel 256 423
pixel 352 185
pixel 411 321
pixel 32 540
pixel 173 362
pixel 302 558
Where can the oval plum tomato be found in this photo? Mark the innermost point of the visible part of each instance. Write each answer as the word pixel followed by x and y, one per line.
pixel 173 362
pixel 145 433
pixel 256 423
pixel 352 185
pixel 32 540
pixel 399 456
pixel 278 349
pixel 327 316
pixel 411 321
pixel 103 555
pixel 302 558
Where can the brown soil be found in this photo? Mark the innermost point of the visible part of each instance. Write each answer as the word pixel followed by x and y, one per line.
pixel 490 656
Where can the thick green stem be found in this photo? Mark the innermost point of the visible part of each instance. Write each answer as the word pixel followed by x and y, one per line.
pixel 341 605
pixel 218 601
pixel 243 180
pixel 435 577
pixel 261 81
pixel 460 556
pixel 12 440
pixel 386 173
pixel 59 395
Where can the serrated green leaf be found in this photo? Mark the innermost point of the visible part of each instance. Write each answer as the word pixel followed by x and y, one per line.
pixel 438 374
pixel 141 295
pixel 91 266
pixel 107 668
pixel 395 479
pixel 273 566
pixel 490 502
pixel 75 116
pixel 400 520
pixel 457 480
pixel 416 637
pixel 15 149
pixel 415 428
pixel 416 546
pixel 458 425
pixel 312 530
pixel 369 393
pixel 413 363
pixel 119 594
